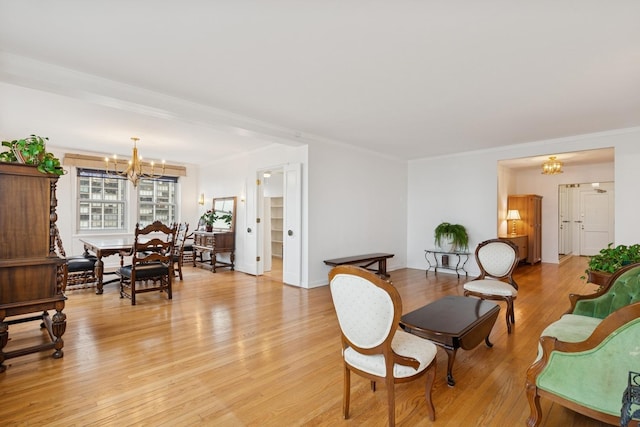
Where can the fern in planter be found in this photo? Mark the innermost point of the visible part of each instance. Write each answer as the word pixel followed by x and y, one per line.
pixel 455 234
pixel 32 151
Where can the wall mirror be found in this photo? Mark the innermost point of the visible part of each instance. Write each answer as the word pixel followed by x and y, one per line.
pixel 225 210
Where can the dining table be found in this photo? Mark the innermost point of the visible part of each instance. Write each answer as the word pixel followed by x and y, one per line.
pixel 104 247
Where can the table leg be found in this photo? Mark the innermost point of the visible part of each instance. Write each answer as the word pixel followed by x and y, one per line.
pixel 487 342
pixel 382 267
pixel 451 357
pixel 98 270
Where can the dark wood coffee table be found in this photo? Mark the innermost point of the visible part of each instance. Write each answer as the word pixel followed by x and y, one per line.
pixel 453 322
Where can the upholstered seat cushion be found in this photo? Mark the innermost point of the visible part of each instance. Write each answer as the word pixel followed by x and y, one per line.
pixel 80 263
pixel 145 271
pixel 570 328
pixel 403 344
pixel 490 286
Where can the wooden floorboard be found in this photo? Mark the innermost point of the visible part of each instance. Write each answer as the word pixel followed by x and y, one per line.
pixel 234 350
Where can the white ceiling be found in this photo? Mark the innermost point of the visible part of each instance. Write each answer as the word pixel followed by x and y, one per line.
pixel 408 79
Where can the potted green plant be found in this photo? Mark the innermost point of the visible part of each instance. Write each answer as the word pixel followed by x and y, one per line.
pixel 609 260
pixel 208 218
pixel 32 151
pixel 451 237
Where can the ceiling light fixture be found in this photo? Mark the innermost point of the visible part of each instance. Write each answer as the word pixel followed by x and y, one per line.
pixel 134 172
pixel 552 166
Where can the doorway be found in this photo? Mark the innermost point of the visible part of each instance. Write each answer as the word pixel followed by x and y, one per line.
pixel 273 213
pixel 585 218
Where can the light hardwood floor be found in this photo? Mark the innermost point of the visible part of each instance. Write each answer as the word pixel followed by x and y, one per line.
pixel 235 350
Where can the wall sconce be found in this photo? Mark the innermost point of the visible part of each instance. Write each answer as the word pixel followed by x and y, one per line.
pixel 513 215
pixel 201 199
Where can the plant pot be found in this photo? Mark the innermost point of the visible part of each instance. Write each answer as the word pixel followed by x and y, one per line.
pixel 209 228
pixel 599 278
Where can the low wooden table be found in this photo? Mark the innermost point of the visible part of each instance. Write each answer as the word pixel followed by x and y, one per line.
pixel 367 260
pixel 453 322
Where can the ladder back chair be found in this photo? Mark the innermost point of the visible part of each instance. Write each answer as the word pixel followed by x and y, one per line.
pixel 178 247
pixel 151 266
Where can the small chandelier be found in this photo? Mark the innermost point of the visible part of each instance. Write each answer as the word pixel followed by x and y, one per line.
pixel 134 171
pixel 552 166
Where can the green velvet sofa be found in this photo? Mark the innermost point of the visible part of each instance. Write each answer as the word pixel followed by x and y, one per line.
pixel 585 356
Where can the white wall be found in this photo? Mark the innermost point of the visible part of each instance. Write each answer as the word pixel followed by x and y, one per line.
pixel 463 188
pixel 357 205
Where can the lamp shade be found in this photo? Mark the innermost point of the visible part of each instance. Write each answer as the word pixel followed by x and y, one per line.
pixel 513 214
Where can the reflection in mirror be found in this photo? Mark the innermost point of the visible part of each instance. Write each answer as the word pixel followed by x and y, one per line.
pixel 225 211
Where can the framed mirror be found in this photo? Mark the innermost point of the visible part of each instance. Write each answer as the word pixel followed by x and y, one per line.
pixel 225 211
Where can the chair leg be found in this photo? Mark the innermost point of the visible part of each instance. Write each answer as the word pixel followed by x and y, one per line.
pixel 509 314
pixel 391 401
pixel 535 416
pixel 431 375
pixel 347 392
pixel 180 268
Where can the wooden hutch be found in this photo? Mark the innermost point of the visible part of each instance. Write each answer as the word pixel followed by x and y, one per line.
pixel 31 273
pixel 530 208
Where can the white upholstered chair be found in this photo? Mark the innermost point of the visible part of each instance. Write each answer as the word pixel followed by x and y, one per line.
pixel 497 259
pixel 369 310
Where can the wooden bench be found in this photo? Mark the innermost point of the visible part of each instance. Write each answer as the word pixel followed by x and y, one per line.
pixel 367 260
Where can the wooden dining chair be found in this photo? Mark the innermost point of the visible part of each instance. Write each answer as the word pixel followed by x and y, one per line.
pixel 151 266
pixel 178 247
pixel 369 310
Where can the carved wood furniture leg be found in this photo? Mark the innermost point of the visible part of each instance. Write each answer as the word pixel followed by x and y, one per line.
pixel 98 270
pixel 4 337
pixel 58 327
pixel 535 415
pixel 451 357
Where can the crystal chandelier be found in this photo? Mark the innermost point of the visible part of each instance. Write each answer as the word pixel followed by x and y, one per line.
pixel 552 166
pixel 135 170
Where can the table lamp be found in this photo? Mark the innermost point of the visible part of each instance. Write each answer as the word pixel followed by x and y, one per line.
pixel 513 215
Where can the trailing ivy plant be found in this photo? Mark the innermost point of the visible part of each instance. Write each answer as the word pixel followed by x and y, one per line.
pixel 32 151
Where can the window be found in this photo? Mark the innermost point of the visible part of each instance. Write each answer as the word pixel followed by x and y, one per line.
pixel 157 200
pixel 101 201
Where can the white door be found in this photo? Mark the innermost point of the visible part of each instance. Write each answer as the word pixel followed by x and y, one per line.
pixel 250 235
pixel 564 221
pixel 597 220
pixel 292 220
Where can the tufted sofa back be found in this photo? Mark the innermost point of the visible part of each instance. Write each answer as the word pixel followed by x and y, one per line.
pixel 624 290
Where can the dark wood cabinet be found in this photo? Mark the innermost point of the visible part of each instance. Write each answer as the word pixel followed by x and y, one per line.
pixel 31 273
pixel 530 224
pixel 210 244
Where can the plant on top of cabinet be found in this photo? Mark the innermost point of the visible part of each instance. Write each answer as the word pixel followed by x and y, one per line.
pixel 32 151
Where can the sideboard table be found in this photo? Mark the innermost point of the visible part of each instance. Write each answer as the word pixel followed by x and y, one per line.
pixel 437 258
